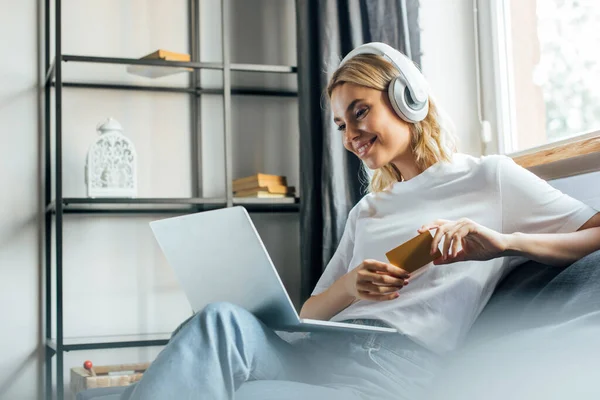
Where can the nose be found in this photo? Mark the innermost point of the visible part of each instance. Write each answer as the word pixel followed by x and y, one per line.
pixel 351 133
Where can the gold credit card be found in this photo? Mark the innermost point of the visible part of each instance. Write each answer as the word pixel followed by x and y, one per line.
pixel 412 255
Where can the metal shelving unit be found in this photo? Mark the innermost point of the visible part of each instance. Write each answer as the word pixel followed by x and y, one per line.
pixel 83 205
pixel 111 342
pixel 56 208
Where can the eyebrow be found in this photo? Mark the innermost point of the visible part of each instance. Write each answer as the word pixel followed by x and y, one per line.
pixel 350 106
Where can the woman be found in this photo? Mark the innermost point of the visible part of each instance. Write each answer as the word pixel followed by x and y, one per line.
pixel 488 215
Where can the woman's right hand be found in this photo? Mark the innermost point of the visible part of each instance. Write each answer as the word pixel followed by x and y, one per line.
pixel 376 281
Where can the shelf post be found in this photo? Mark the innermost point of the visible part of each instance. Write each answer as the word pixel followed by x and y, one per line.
pixel 226 100
pixel 59 207
pixel 47 389
pixel 195 105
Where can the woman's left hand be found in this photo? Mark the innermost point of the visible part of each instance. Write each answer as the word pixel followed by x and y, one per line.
pixel 477 241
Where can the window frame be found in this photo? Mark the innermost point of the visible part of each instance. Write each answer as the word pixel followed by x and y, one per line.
pixel 498 94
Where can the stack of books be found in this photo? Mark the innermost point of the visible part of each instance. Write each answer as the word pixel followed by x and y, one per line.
pixel 263 186
pixel 157 72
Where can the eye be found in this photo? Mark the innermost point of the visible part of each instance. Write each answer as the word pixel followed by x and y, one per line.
pixel 361 112
pixel 341 128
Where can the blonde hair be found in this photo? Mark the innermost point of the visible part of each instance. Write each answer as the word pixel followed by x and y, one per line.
pixel 432 140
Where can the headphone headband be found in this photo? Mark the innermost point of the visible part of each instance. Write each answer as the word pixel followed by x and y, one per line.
pixel 408 92
pixel 414 79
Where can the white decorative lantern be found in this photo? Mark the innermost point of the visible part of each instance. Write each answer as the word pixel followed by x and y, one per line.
pixel 110 167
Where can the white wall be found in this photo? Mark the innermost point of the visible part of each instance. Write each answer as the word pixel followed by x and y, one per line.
pixel 448 61
pixel 116 280
pixel 19 182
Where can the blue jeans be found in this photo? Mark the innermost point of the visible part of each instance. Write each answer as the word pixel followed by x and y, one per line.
pixel 225 352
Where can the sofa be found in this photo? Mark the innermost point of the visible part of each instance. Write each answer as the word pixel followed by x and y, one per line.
pixel 539 321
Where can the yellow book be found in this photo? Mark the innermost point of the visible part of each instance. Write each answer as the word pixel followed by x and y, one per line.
pixel 259 180
pixel 156 71
pixel 166 55
pixel 283 190
pixel 261 195
pixel 271 188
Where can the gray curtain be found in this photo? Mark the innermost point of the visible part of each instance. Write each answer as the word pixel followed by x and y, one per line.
pixel 326 31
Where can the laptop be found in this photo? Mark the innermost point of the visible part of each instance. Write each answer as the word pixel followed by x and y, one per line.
pixel 219 256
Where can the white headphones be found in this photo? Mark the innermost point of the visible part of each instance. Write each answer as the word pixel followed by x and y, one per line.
pixel 408 91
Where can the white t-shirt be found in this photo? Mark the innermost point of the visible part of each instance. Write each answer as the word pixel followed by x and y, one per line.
pixel 437 308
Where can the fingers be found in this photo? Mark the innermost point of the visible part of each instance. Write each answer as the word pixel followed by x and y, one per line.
pixel 447 242
pixel 434 225
pixel 460 256
pixel 380 278
pixel 378 281
pixel 437 238
pixel 456 242
pixel 376 289
pixel 375 297
pixel 440 225
pixel 378 266
pixel 452 238
pixel 451 231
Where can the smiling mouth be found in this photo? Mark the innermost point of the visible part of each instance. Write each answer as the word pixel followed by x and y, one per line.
pixel 364 149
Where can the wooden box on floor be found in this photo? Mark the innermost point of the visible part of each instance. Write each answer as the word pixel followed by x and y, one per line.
pixel 106 376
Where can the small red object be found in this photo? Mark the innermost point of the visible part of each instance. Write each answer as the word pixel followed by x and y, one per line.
pixel 88 365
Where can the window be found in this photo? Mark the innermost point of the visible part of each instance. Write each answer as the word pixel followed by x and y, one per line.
pixel 547 61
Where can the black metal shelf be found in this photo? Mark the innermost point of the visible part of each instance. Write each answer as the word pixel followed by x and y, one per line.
pixel 278 69
pixel 137 61
pixel 268 205
pixel 146 205
pixel 119 86
pixel 57 210
pixel 239 67
pixel 83 205
pixel 255 92
pixel 175 89
pixel 109 342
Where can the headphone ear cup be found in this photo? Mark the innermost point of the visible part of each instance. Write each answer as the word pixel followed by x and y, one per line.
pixel 403 104
pixel 396 94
